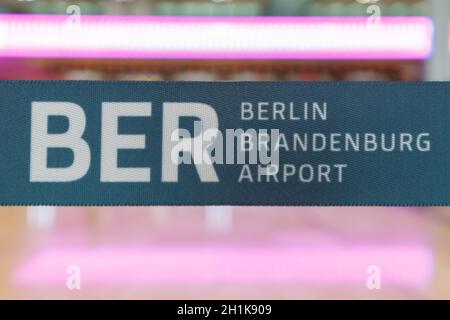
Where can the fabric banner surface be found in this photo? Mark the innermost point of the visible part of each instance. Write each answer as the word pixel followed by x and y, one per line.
pixel 224 143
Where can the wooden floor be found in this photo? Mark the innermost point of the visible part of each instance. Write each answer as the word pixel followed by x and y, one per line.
pixel 225 252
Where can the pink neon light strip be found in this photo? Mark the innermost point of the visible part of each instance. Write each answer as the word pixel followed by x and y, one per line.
pixel 328 264
pixel 57 36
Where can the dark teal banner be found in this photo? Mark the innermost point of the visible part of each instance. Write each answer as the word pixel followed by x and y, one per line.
pixel 224 143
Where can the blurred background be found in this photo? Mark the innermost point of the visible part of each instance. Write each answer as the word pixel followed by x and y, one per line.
pixel 225 252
